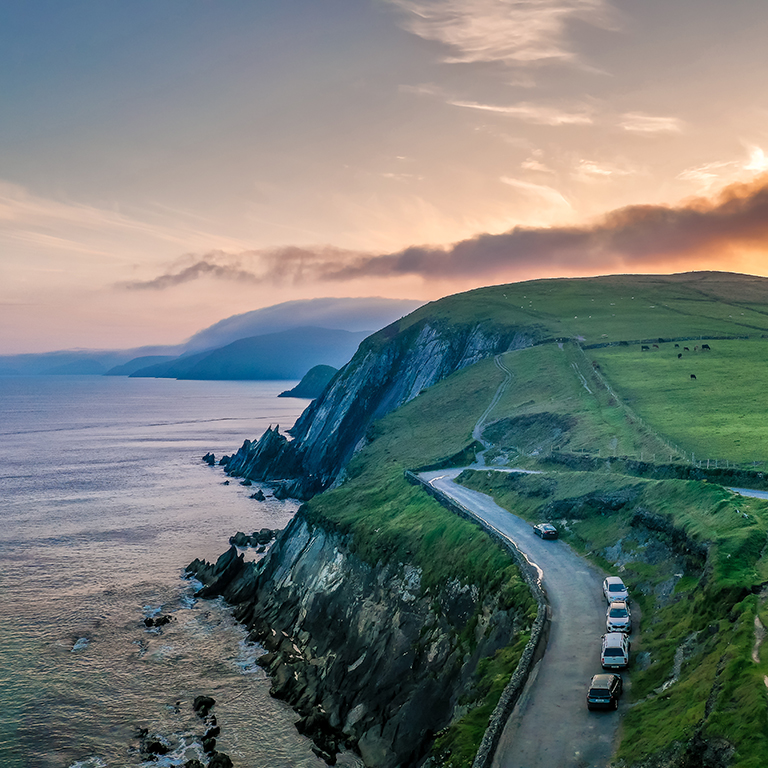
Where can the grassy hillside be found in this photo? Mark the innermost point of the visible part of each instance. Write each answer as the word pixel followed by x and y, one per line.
pixel 697 577
pixel 720 416
pixel 693 553
pixel 618 307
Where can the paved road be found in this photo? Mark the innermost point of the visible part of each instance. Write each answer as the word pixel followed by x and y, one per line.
pixel 750 492
pixel 551 726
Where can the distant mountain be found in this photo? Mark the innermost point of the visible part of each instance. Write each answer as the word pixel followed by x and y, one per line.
pixel 126 369
pixel 314 382
pixel 344 314
pixel 74 362
pixel 285 355
pixel 366 314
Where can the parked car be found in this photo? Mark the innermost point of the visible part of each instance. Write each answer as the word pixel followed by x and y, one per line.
pixel 614 653
pixel 545 530
pixel 618 618
pixel 614 589
pixel 604 692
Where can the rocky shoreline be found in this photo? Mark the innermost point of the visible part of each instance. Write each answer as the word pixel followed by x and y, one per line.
pixel 369 660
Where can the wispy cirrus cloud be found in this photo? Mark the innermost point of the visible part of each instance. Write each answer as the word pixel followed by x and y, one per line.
pixel 639 122
pixel 508 31
pixel 718 172
pixel 531 113
pixel 547 193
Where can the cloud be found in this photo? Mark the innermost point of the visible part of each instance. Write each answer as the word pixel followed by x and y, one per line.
pixel 531 113
pixel 507 31
pixel 637 122
pixel 550 194
pixel 637 236
pixel 702 231
pixel 276 265
pixel 719 172
pixel 591 171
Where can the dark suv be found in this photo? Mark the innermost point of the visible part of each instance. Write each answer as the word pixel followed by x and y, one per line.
pixel 604 692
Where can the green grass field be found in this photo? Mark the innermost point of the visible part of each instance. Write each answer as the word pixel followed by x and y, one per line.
pixel 617 307
pixel 721 415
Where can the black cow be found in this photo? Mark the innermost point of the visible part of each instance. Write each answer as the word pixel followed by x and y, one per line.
pixel 686 349
pixel 643 348
pixel 679 355
pixel 707 347
pixel 693 375
pixel 677 346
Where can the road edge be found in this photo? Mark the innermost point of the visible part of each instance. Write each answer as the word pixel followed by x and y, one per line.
pixel 534 649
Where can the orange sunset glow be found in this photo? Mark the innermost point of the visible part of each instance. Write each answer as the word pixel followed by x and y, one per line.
pixel 166 166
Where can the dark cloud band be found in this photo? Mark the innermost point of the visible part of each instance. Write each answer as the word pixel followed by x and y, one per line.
pixel 635 237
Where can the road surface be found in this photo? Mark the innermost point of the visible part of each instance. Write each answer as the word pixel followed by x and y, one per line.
pixel 551 726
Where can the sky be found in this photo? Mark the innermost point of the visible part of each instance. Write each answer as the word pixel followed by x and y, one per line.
pixel 164 165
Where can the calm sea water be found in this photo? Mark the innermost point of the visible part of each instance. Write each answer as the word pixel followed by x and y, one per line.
pixel 103 501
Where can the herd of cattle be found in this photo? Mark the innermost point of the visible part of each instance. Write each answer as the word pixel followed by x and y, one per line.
pixel 703 348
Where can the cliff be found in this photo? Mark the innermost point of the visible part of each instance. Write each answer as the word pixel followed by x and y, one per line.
pixel 370 658
pixel 390 368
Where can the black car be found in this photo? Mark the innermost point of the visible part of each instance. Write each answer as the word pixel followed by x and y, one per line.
pixel 604 692
pixel 545 530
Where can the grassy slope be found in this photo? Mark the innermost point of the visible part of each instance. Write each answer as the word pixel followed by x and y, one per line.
pixel 618 307
pixel 393 521
pixel 719 688
pixel 720 415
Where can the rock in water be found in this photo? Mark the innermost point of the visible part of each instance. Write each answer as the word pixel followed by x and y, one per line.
pixel 220 760
pixel 202 705
pixel 209 459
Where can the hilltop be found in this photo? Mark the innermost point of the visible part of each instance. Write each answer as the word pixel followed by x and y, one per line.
pixel 632 450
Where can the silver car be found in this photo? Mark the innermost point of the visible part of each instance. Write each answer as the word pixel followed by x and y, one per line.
pixel 618 618
pixel 614 589
pixel 614 653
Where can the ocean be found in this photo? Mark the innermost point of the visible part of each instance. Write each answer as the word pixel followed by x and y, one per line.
pixel 104 499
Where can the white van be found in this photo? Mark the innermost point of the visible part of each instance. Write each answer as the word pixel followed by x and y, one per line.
pixel 615 651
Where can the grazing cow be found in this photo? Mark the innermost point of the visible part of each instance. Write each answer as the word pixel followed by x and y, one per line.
pixel 686 349
pixel 677 346
pixel 655 346
pixel 693 375
pixel 643 348
pixel 679 355
pixel 707 347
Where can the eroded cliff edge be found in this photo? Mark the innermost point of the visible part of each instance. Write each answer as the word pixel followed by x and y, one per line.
pixel 370 657
pixel 389 369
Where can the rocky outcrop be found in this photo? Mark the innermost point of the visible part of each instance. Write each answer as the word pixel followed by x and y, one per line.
pixel 391 368
pixel 368 658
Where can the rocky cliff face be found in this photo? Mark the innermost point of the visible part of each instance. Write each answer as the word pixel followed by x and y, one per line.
pixel 368 659
pixel 389 369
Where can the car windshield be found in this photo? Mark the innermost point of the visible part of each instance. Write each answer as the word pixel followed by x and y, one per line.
pixel 618 613
pixel 616 587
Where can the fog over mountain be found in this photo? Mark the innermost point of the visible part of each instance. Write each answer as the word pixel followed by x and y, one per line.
pixel 363 314
pixel 344 314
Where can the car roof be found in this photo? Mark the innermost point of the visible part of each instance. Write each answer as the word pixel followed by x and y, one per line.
pixel 618 604
pixel 602 681
pixel 614 580
pixel 614 638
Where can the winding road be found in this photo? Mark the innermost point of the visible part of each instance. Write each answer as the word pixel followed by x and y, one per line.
pixel 551 726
